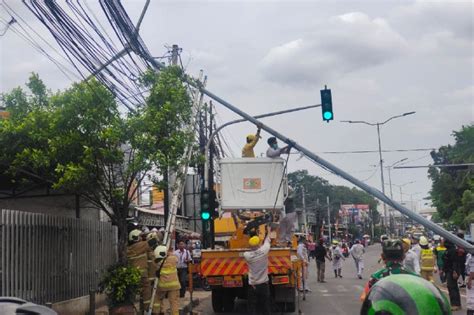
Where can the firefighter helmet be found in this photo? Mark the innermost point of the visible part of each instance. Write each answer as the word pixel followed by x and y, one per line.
pixel 423 241
pixel 160 252
pixel 134 235
pixel 405 294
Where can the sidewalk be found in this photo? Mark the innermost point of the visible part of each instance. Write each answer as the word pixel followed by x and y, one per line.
pixel 184 307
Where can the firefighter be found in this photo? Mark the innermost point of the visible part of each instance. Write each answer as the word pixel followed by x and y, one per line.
pixel 405 294
pixel 168 283
pixel 153 242
pixel 252 140
pixel 427 260
pixel 137 254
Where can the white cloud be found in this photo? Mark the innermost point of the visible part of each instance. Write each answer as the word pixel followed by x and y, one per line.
pixel 342 44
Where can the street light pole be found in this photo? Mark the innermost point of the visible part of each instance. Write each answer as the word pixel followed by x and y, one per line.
pixel 378 124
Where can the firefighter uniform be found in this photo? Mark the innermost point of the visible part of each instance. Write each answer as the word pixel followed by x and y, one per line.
pixel 152 268
pixel 168 283
pixel 137 254
pixel 427 260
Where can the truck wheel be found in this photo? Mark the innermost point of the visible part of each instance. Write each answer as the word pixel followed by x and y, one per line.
pixel 229 299
pixel 290 306
pixel 217 300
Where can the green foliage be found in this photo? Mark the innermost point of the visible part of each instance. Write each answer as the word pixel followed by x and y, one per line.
pixel 121 283
pixel 317 188
pixel 79 142
pixel 452 188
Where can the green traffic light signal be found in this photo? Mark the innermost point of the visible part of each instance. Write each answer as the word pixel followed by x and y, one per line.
pixel 326 104
pixel 327 115
pixel 205 215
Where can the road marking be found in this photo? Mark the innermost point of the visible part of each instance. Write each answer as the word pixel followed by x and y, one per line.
pixel 341 288
pixel 359 287
pixel 323 290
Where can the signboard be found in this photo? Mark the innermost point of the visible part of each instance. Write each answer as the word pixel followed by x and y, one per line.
pixel 252 183
pixel 354 212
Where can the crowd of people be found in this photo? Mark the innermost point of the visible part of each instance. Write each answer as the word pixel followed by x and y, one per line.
pixel 419 258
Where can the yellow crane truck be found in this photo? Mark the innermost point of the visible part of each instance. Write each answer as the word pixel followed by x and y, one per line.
pixel 251 194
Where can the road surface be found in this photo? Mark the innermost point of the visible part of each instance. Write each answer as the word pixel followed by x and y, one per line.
pixel 337 296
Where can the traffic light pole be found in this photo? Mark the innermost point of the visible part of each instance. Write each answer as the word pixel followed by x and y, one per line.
pixel 327 165
pixel 211 178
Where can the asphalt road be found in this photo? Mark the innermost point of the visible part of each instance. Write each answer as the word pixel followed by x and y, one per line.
pixel 335 297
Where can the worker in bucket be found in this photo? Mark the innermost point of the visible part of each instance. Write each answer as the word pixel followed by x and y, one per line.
pixel 273 150
pixel 257 261
pixel 247 151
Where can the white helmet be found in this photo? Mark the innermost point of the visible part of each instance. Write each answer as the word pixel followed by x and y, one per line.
pixel 134 235
pixel 160 252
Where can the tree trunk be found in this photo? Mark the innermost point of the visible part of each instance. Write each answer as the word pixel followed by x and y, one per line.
pixel 122 240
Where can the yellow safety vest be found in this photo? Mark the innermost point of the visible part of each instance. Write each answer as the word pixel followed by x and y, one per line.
pixel 169 274
pixel 427 260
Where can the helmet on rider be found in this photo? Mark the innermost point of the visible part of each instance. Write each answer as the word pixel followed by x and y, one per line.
pixel 405 294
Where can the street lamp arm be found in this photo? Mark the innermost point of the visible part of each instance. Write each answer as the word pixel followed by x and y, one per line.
pixel 397 116
pixel 358 122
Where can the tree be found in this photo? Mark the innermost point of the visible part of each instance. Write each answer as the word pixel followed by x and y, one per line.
pixel 317 189
pixel 79 142
pixel 453 187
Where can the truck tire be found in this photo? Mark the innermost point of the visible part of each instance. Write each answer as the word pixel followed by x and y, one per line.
pixel 229 299
pixel 217 300
pixel 290 306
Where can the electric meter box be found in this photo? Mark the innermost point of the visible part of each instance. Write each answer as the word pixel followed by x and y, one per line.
pixel 252 183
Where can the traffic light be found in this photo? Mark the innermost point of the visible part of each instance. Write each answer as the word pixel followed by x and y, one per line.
pixel 208 204
pixel 205 205
pixel 326 104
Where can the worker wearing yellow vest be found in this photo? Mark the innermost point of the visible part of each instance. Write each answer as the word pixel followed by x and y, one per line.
pixel 137 254
pixel 168 283
pixel 252 140
pixel 427 260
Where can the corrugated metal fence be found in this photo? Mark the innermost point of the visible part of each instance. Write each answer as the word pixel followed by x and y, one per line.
pixel 48 258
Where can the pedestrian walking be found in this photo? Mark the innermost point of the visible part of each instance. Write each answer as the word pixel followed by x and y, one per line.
pixel 321 254
pixel 311 247
pixel 411 261
pixel 427 260
pixel 184 257
pixel 257 261
pixel 439 253
pixel 302 253
pixel 452 271
pixel 337 257
pixel 357 252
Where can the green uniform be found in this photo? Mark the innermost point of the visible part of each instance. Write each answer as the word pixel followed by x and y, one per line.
pixel 391 268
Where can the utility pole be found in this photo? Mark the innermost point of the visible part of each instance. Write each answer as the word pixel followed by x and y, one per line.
pixel 211 175
pixel 166 175
pixel 329 220
pixel 381 176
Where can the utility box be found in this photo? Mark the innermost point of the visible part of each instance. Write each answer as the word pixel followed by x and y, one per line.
pixel 252 183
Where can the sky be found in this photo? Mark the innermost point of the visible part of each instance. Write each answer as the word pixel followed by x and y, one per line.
pixel 379 58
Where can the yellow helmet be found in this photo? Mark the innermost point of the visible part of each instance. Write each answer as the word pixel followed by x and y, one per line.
pixel 254 241
pixel 134 235
pixel 423 241
pixel 250 137
pixel 335 242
